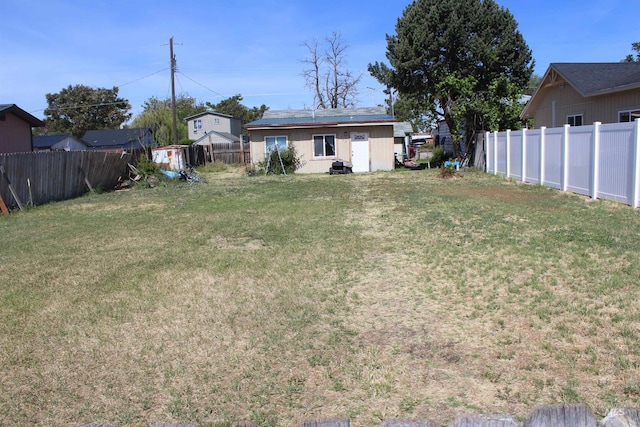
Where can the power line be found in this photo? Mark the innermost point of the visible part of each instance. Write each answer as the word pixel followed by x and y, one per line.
pixel 200 84
pixel 144 77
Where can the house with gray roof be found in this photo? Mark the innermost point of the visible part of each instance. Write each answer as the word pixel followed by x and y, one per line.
pixel 120 139
pixel 583 93
pixel 62 142
pixel 362 136
pixel 208 121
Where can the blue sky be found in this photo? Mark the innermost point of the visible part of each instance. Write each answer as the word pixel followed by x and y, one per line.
pixel 251 47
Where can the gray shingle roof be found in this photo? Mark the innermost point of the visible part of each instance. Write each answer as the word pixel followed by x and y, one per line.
pixel 208 112
pixel 128 138
pixel 47 141
pixel 596 78
pixel 401 129
pixel 13 108
pixel 276 118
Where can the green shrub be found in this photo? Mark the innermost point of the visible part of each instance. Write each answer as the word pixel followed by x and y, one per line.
pixel 147 167
pixel 272 164
pixel 438 156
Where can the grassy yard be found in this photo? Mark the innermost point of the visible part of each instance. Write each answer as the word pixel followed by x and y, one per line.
pixel 277 299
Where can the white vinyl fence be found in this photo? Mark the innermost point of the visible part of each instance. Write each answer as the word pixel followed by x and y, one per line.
pixel 599 161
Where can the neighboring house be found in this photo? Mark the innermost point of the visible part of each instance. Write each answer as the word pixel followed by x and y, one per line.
pixel 65 142
pixel 363 136
pixel 583 93
pixel 120 139
pixel 15 129
pixel 210 121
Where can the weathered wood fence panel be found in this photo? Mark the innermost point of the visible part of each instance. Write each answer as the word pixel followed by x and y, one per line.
pixel 228 153
pixel 42 177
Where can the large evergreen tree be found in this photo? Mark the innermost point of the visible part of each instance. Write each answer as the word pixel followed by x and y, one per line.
pixel 463 61
pixel 77 109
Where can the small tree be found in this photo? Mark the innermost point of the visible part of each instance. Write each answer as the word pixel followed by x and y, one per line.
pixel 332 83
pixel 157 115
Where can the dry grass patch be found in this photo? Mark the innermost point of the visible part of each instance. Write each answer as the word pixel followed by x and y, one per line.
pixel 277 299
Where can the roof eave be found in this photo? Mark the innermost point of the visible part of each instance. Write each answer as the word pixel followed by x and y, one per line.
pixel 319 124
pixel 614 90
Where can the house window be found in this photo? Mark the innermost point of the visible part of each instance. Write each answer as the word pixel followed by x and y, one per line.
pixel 628 116
pixel 197 124
pixel 272 141
pixel 324 145
pixel 216 121
pixel 575 120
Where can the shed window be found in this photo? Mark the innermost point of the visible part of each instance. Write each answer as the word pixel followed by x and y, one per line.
pixel 628 116
pixel 575 120
pixel 271 142
pixel 324 145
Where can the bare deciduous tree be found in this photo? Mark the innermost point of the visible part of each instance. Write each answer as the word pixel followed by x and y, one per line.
pixel 334 86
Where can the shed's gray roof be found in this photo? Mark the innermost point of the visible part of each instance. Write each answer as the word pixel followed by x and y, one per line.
pixel 598 78
pixel 334 116
pixel 401 129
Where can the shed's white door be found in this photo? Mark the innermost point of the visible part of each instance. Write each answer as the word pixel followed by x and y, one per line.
pixel 360 152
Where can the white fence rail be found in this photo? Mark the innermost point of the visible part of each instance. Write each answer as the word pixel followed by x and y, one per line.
pixel 599 161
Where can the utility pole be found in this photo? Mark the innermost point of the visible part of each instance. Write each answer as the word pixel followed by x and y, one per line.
pixel 173 92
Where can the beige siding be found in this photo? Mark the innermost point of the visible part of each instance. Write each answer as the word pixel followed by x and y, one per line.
pixel 568 101
pixel 380 145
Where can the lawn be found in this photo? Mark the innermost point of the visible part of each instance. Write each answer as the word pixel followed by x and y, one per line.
pixel 278 299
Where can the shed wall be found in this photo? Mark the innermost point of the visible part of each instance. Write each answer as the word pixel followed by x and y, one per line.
pixel 381 145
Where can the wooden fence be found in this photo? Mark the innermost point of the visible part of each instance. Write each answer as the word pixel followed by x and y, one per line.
pixel 42 177
pixel 228 153
pixel 541 416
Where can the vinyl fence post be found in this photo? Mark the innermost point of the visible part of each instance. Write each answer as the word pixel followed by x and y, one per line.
pixel 495 152
pixel 508 153
pixel 487 152
pixel 636 166
pixel 595 158
pixel 565 158
pixel 524 155
pixel 543 130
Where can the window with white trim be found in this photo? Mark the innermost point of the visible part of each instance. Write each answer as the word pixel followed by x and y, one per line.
pixel 575 120
pixel 324 145
pixel 628 116
pixel 271 142
pixel 197 124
